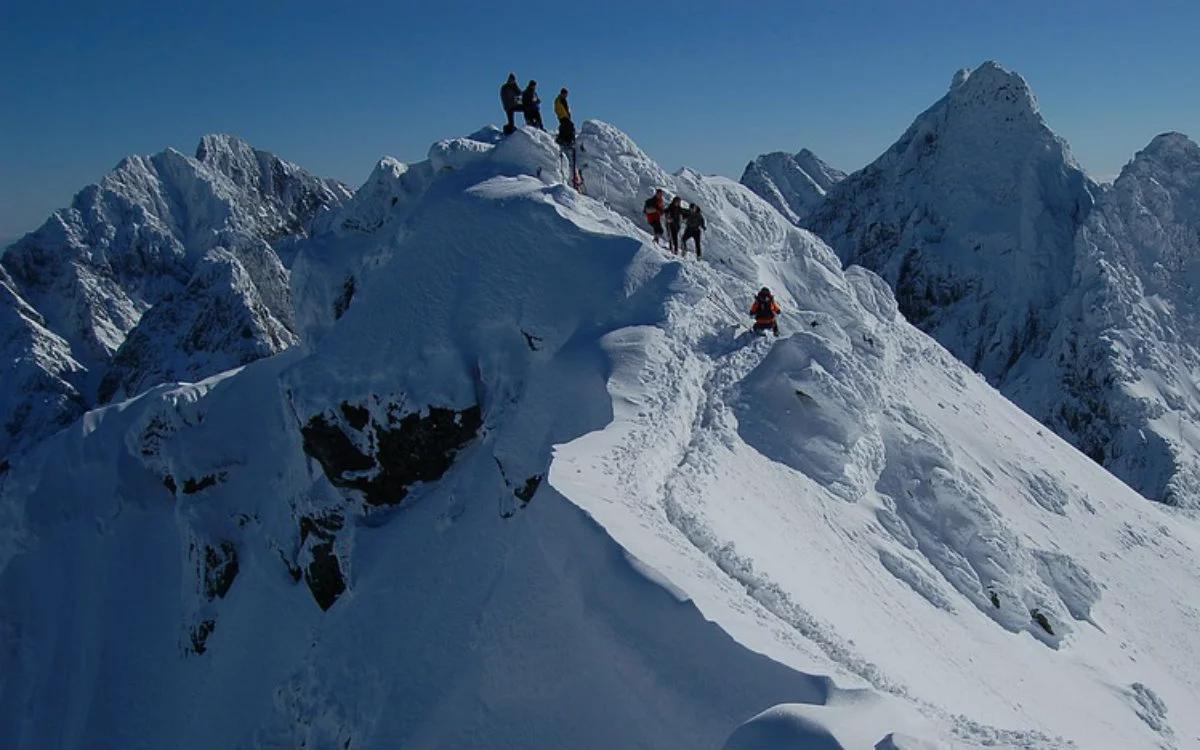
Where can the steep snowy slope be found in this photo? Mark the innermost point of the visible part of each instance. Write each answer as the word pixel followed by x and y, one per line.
pixel 151 234
pixel 1125 356
pixel 38 396
pixel 795 184
pixel 528 483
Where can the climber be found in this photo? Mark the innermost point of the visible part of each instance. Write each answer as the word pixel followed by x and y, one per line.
pixel 562 109
pixel 675 213
pixel 566 126
pixel 510 97
pixel 533 106
pixel 764 311
pixel 653 208
pixel 695 225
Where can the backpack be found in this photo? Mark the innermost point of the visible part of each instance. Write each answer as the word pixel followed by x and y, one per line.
pixel 764 306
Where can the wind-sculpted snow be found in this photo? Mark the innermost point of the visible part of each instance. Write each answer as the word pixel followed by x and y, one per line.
pixel 527 481
pixel 145 243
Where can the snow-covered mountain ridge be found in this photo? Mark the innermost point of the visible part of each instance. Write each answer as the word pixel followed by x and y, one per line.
pixel 133 277
pixel 526 482
pixel 794 184
pixel 999 246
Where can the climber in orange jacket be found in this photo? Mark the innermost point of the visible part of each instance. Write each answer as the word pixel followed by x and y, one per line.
pixel 654 208
pixel 764 311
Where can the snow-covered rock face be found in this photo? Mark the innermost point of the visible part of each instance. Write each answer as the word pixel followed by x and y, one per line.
pixel 39 395
pixel 531 463
pixel 1077 303
pixel 971 218
pixel 1126 351
pixel 794 184
pixel 142 238
pixel 235 309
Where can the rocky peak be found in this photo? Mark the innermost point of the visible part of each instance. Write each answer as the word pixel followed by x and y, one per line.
pixel 1173 156
pixel 991 87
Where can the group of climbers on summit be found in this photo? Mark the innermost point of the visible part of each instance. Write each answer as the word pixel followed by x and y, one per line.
pixel 514 100
pixel 691 219
pixel 528 103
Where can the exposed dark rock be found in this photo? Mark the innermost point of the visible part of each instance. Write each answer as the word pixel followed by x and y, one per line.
pixel 220 568
pixel 417 449
pixel 531 340
pixel 995 599
pixel 324 571
pixel 356 416
pixel 154 435
pixel 325 441
pixel 342 303
pixel 4 465
pixel 200 635
pixel 322 527
pixel 169 483
pixel 526 493
pixel 324 575
pixel 1042 621
pixel 192 486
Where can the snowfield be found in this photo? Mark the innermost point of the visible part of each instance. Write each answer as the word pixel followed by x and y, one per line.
pixel 526 481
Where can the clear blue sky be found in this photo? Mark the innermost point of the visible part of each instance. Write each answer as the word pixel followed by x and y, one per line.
pixel 334 86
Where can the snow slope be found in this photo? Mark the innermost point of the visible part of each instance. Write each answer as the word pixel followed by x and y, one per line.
pixel 171 239
pixel 795 184
pixel 526 482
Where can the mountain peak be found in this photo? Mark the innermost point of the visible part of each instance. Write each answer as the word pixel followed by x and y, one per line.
pixel 991 86
pixel 793 184
pixel 1171 144
pixel 214 144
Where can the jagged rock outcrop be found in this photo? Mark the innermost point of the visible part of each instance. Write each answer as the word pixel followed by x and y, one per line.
pixel 795 184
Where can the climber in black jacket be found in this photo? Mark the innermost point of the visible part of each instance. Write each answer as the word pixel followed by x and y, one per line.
pixel 510 97
pixel 695 225
pixel 533 106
